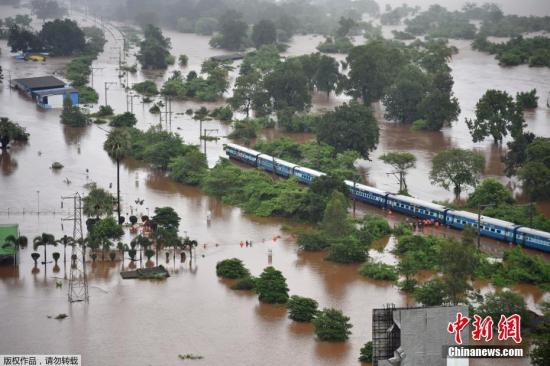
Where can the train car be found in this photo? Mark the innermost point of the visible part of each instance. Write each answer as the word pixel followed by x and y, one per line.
pixel 491 227
pixel 370 195
pixel 282 167
pixel 243 154
pixel 306 175
pixel 532 238
pixel 416 208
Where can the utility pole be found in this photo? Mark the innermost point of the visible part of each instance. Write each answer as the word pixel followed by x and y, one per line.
pixel 206 131
pixel 78 282
pixel 92 74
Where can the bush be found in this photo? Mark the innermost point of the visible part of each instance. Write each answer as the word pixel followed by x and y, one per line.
pixel 332 325
pixel 56 165
pixel 374 227
pixel 147 88
pixel 126 119
pixel 347 250
pixel 232 268
pixel 527 100
pixel 271 287
pixel 420 124
pixel 431 293
pixel 72 115
pixel 189 168
pixel 302 309
pixel 87 95
pixel 247 283
pixel 104 111
pixel 312 241
pixel 366 352
pixel 224 114
pixel 183 60
pixel 379 271
pixel 503 303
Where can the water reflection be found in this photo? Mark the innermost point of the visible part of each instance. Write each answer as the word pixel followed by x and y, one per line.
pixel 8 165
pixel 270 312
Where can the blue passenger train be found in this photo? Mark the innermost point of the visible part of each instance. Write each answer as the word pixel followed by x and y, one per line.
pixel 490 227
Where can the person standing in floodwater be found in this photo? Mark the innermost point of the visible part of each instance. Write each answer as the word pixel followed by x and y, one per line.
pixel 242 243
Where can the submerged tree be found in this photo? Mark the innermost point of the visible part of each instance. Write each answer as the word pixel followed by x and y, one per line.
pixel 332 325
pixel 118 146
pixel 401 161
pixel 44 240
pixel 11 131
pixel 154 52
pixel 457 168
pixel 98 202
pixel 271 287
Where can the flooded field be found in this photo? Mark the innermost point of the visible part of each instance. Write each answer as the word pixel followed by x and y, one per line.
pixel 149 322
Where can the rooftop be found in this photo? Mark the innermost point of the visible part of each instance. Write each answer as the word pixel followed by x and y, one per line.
pixel 40 82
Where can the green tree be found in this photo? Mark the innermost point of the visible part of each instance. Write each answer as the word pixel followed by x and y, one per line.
pixel 72 115
pixel 271 286
pixel 490 191
pixel 126 119
pixel 62 37
pixel 263 33
pixel 431 293
pixel 189 168
pixel 249 94
pixel 118 147
pixel 327 74
pixel 98 202
pixel 20 39
pixel 312 241
pixel 11 131
pixel 540 353
pixel 357 129
pixel 527 100
pixel 366 352
pixel 535 173
pixel 347 250
pixel 154 49
pixel 335 219
pixel 373 68
pixel 401 161
pixel 457 168
pixel 332 325
pixel 496 113
pixel 233 31
pixel 232 268
pixel 287 85
pixel 166 218
pixel 147 88
pixel 302 309
pixel 403 98
pixel 505 303
pixel 458 262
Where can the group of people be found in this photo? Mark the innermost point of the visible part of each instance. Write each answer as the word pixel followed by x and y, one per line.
pixel 421 223
pixel 248 243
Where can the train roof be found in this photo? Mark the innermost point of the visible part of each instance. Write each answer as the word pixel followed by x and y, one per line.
pixel 277 160
pixel 365 188
pixel 244 149
pixel 485 219
pixel 418 202
pixel 528 230
pixel 315 173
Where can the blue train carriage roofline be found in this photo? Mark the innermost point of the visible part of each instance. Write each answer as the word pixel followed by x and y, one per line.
pixel 418 202
pixel 537 239
pixel 242 148
pixel 363 187
pixel 484 219
pixel 309 171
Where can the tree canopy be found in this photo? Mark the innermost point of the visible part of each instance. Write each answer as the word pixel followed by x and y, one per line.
pixel 271 286
pixel 11 131
pixel 154 50
pixel 457 168
pixel 401 161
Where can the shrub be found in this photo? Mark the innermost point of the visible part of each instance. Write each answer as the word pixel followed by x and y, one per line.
pixel 72 115
pixel 379 271
pixel 147 88
pixel 374 227
pixel 503 303
pixel 224 114
pixel 183 60
pixel 332 325
pixel 247 283
pixel 527 100
pixel 87 95
pixel 313 240
pixel 431 293
pixel 420 124
pixel 347 250
pixel 56 165
pixel 302 309
pixel 366 352
pixel 104 111
pixel 232 268
pixel 126 119
pixel 271 287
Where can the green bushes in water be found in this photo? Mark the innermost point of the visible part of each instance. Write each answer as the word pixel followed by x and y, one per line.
pixel 247 283
pixel 248 128
pixel 431 293
pixel 271 287
pixel 87 95
pixel 373 227
pixel 518 50
pixel 332 325
pixel 313 241
pixel 224 113
pixel 147 88
pixel 347 250
pixel 366 352
pixel 302 309
pixel 527 100
pixel 517 266
pixel 335 45
pixel 379 271
pixel 232 268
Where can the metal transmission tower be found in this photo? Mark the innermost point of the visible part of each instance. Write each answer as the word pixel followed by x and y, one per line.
pixel 78 283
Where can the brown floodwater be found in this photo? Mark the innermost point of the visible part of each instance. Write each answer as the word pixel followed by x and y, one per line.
pixel 150 322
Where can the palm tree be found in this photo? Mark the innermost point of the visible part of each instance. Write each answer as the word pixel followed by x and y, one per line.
pixel 45 240
pixel 16 243
pixel 66 240
pixel 190 244
pixel 118 145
